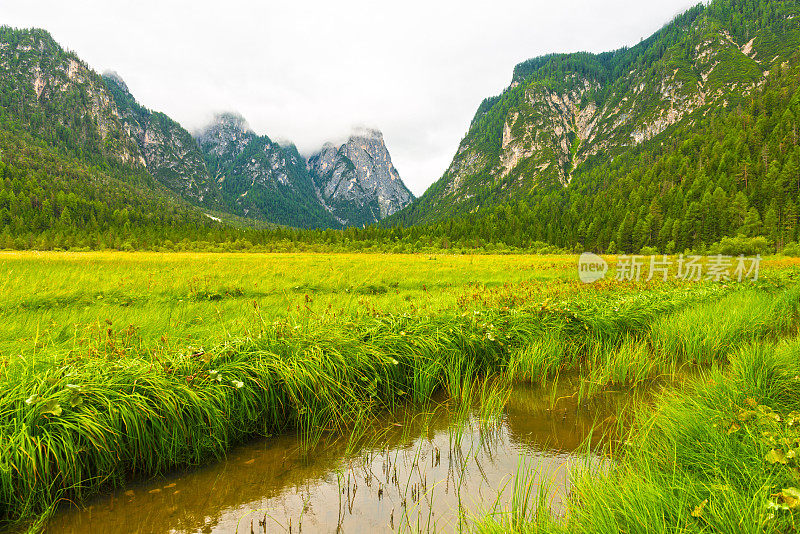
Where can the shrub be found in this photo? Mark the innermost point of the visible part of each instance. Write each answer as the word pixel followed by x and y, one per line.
pixel 791 249
pixel 735 246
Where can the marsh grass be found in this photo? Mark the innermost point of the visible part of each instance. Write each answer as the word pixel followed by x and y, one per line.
pixel 75 423
pixel 692 338
pixel 706 333
pixel 90 414
pixel 693 464
pixel 50 300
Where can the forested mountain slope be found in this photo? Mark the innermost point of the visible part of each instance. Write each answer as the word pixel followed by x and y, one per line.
pixel 70 173
pixel 48 200
pixel 57 98
pixel 683 139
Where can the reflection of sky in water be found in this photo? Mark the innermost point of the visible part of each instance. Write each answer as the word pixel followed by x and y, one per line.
pixel 416 471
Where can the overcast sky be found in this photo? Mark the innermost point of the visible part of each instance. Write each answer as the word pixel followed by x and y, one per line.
pixel 310 71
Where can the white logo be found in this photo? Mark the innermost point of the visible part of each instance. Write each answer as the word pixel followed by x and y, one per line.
pixel 591 268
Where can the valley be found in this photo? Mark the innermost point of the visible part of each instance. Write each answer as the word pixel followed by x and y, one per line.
pixel 587 321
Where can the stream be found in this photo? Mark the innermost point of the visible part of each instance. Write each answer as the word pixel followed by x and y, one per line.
pixel 413 469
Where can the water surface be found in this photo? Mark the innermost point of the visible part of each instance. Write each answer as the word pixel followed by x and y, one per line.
pixel 411 469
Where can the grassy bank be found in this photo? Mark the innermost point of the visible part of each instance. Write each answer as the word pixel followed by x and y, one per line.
pixel 76 422
pixel 721 456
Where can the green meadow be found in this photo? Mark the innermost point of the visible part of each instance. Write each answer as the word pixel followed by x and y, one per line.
pixel 55 300
pixel 118 366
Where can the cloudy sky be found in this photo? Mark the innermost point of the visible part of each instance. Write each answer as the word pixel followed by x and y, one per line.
pixel 310 71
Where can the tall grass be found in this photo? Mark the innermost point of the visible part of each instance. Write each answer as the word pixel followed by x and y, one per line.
pixel 697 463
pixel 73 422
pixel 694 337
pixel 706 333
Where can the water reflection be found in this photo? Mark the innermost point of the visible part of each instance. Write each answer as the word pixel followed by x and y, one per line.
pixel 411 469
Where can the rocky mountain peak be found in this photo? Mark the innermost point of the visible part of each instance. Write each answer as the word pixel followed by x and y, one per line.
pixel 260 178
pixel 371 134
pixel 231 120
pixel 357 181
pixel 228 131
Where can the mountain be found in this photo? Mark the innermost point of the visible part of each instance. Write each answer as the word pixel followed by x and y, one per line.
pixel 70 175
pixel 258 177
pixel 55 97
pixel 357 181
pixel 59 99
pixel 171 155
pixel 606 147
pixel 50 95
pixel 50 200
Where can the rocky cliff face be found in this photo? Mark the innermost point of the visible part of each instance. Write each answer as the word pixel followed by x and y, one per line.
pixel 170 153
pixel 60 99
pixel 357 181
pixel 258 177
pixel 565 112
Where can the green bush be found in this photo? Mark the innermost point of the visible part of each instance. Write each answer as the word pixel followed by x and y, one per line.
pixel 791 249
pixel 735 246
